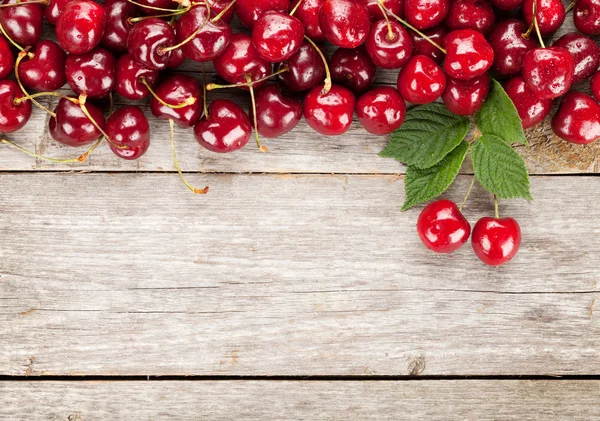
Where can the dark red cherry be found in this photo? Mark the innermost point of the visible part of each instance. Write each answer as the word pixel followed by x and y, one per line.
pixel 531 109
pixel 422 47
pixel 345 23
pixel 595 85
pixel 161 4
pixel 176 90
pixel 53 10
pixel 276 113
pixel 128 78
pixel 389 50
pixel 577 119
pixel 468 54
pixel 586 16
pixel 209 43
pixel 248 11
pixel 507 4
pixel 471 14
pixel 217 6
pixel 510 46
pixel 147 41
pixel 352 69
pixel 130 153
pixel 128 127
pixel 277 36
pixel 92 72
pixel 550 15
pixel 241 58
pixel 46 70
pixel 442 227
pixel 548 72
pixel 118 13
pixel 466 97
pixel 226 129
pixel 585 52
pixel 176 60
pixel 71 126
pixel 394 6
pixel 7 58
pixel 381 110
pixel 421 80
pixel 329 114
pixel 308 14
pixel 425 14
pixel 306 70
pixel 80 26
pixel 496 241
pixel 12 116
pixel 22 23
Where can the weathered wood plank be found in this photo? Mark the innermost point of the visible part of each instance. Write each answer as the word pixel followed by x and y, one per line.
pixel 286 275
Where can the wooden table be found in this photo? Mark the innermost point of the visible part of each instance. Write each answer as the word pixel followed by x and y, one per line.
pixel 294 290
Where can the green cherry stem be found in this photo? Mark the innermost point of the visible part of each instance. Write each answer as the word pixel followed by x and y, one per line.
pixel 178 167
pixel 327 82
pixel 535 23
pixel 187 102
pixel 222 13
pixel 205 92
pixel 251 87
pixel 213 86
pixel 192 35
pixel 390 35
pixel 20 57
pixel 464 202
pixel 496 213
pixel 13 42
pixel 81 158
pixel 296 7
pixel 570 7
pixel 23 3
pixel 81 102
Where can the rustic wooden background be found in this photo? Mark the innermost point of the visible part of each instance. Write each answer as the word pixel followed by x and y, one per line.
pixel 294 290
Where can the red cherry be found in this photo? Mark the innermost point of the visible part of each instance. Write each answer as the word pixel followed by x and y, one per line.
pixel 345 23
pixel 92 72
pixel 118 13
pixel 71 126
pixel 147 41
pixel 442 227
pixel 577 119
pixel 389 50
pixel 128 78
pixel 585 52
pixel 548 72
pixel 226 129
pixel 308 14
pixel 550 15
pixel 586 15
pixel 381 110
pixel 276 113
pixel 80 26
pixel 130 153
pixel 531 109
pixel 53 10
pixel 329 114
pixel 595 85
pixel 507 4
pixel 129 132
pixel 422 47
pixel 248 11
pixel 352 69
pixel 7 58
pixel 510 46
pixel 466 97
pixel 306 70
pixel 394 6
pixel 22 23
pixel 471 14
pixel 176 90
pixel 177 59
pixel 496 241
pixel 12 116
pixel 46 70
pixel 277 36
pixel 425 14
pixel 468 54
pixel 162 4
pixel 421 80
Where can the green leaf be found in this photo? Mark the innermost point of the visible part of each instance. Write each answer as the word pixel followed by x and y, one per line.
pixel 429 133
pixel 499 117
pixel 422 185
pixel 499 168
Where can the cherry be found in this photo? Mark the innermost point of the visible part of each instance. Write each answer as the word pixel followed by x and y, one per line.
pixel 176 90
pixel 466 97
pixel 53 10
pixel 548 72
pixel 329 113
pixel 394 6
pixel 381 110
pixel 72 127
pixel 159 4
pixel 352 69
pixel 248 11
pixel 129 132
pixel 177 59
pixel 595 85
pixel 421 80
pixel 306 69
pixel 147 41
pixel 22 23
pixel 308 14
pixel 585 52
pixel 7 58
pixel 531 109
pixel 80 26
pixel 550 15
pixel 345 23
pixel 507 4
pixel 468 54
pixel 277 36
pixel 276 113
pixel 442 227
pixel 577 119
pixel 226 129
pixel 217 6
pixel 128 78
pixel 586 15
pixel 13 116
pixel 389 45
pixel 118 13
pixel 46 70
pixel 130 153
pixel 422 47
pixel 425 14
pixel 471 14
pixel 496 241
pixel 92 72
pixel 510 46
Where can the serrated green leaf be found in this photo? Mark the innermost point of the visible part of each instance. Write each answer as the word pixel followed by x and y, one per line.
pixel 500 169
pixel 429 133
pixel 499 117
pixel 422 185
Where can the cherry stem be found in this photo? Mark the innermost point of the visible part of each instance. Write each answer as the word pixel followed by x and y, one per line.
pixel 187 102
pixel 81 102
pixel 17 101
pixel 296 7
pixel 12 41
pixel 260 147
pixel 462 205
pixel 327 81
pixel 213 86
pixel 570 7
pixel 204 99
pixel 25 3
pixel 188 6
pixel 222 12
pixel 535 23
pixel 496 213
pixel 80 158
pixel 192 35
pixel 176 162
pixel 390 35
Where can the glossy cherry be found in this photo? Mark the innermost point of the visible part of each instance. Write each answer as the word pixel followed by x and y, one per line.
pixel 92 72
pixel 118 13
pixel 345 23
pixel 128 78
pixel 442 227
pixel 586 15
pixel 506 4
pixel 13 116
pixel 422 47
pixel 80 26
pixel 381 110
pixel 53 10
pixel 548 72
pixel 425 14
pixel 226 129
pixel 22 23
pixel 147 41
pixel 241 58
pixel 389 50
pixel 277 36
pixel 71 126
pixel 176 90
pixel 46 70
pixel 277 114
pixel 329 114
pixel 595 85
pixel 496 241
pixel 306 70
pixel 577 119
pixel 478 15
pixel 248 11
pixel 466 97
pixel 585 52
pixel 531 109
pixel 421 80
pixel 162 4
pixel 352 69
pixel 510 46
pixel 7 58
pixel 468 54
pixel 550 15
pixel 129 132
pixel 308 14
pixel 394 6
